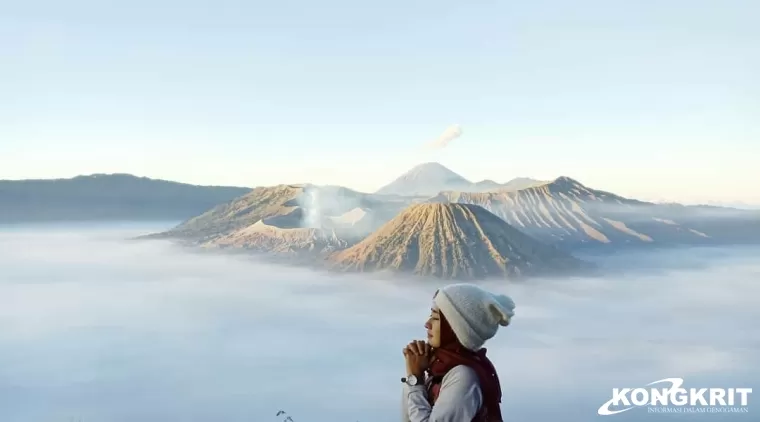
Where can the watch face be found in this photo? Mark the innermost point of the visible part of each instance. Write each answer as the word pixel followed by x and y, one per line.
pixel 411 380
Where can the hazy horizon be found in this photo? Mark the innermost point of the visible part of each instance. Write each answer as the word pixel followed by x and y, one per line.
pixel 102 329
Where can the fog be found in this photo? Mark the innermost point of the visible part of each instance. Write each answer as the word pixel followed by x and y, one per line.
pixel 96 328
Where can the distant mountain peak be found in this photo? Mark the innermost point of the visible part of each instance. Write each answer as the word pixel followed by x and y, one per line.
pixel 520 183
pixel 425 179
pixel 568 180
pixel 429 165
pixel 431 178
pixel 565 184
pixel 431 169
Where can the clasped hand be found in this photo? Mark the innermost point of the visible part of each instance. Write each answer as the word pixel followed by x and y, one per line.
pixel 417 355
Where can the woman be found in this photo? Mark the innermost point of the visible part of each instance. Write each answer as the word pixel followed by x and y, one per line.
pixel 449 378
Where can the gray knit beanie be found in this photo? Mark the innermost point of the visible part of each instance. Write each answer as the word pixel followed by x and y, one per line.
pixel 473 313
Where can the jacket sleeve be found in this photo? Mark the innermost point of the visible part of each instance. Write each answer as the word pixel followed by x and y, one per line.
pixel 404 406
pixel 459 399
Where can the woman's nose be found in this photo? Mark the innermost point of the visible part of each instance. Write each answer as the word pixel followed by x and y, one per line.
pixel 427 324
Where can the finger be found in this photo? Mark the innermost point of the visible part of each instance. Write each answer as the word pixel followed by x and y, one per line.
pixel 421 347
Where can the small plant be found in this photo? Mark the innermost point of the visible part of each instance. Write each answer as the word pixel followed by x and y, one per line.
pixel 284 414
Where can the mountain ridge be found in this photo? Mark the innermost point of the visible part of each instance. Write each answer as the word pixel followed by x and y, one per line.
pixel 561 212
pixel 568 213
pixel 107 197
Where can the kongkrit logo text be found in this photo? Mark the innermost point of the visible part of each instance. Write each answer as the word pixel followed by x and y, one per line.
pixel 675 399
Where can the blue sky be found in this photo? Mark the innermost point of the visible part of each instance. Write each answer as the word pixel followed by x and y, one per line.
pixel 650 99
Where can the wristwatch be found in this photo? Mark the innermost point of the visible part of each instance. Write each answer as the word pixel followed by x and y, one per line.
pixel 411 380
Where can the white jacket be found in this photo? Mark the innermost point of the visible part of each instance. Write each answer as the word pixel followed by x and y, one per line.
pixel 459 399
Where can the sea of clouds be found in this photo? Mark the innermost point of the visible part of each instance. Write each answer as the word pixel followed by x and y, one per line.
pixel 97 328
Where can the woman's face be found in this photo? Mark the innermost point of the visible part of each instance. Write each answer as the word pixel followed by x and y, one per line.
pixel 433 326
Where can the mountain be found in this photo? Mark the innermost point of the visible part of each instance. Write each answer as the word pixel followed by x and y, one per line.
pixel 514 184
pixel 281 235
pixel 107 197
pixel 425 180
pixel 567 213
pixel 259 203
pixel 486 186
pixel 429 179
pixel 520 183
pixel 453 241
pixel 563 213
pixel 351 215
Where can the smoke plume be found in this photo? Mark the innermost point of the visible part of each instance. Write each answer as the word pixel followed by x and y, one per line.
pixel 452 132
pixel 313 218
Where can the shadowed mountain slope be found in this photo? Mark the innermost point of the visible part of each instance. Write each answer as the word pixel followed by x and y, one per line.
pixel 453 241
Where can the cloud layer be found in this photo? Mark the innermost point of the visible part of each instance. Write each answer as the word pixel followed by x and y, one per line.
pixel 100 329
